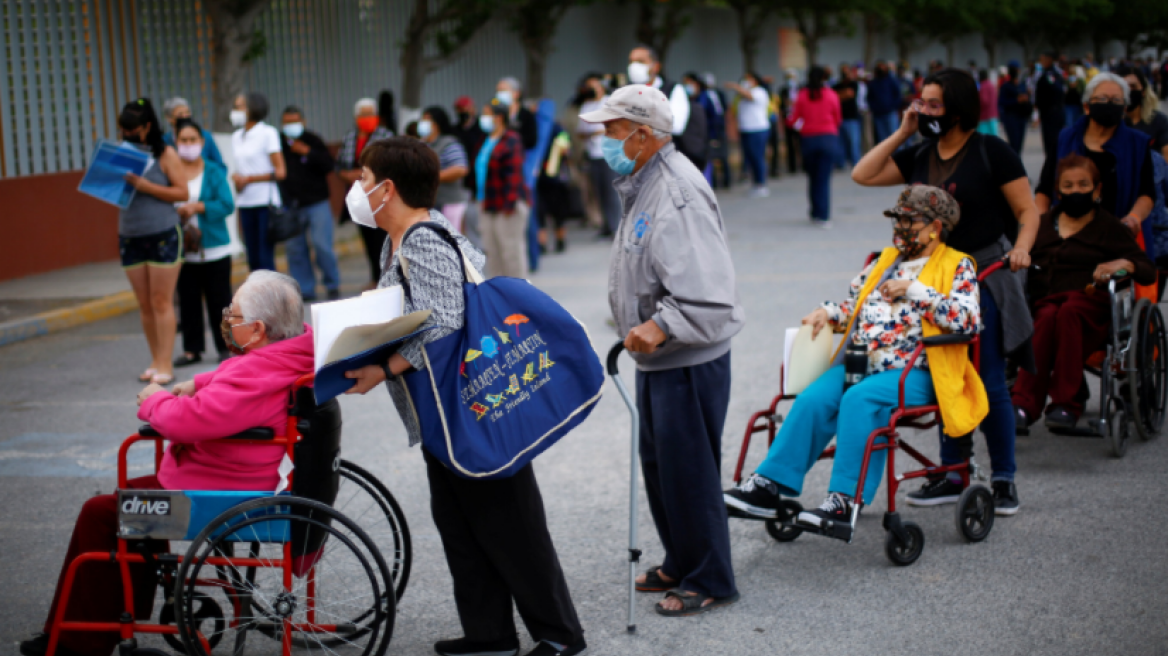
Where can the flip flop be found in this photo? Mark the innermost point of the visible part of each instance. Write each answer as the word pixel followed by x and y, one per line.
pixel 654 582
pixel 691 603
pixel 162 379
pixel 148 375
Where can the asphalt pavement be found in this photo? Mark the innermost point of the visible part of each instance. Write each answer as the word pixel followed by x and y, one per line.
pixel 1081 569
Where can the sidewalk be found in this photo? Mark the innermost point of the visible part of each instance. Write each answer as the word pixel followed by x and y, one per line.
pixel 50 302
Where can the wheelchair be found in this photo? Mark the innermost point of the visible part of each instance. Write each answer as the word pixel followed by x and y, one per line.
pixel 1132 371
pixel 319 566
pixel 904 541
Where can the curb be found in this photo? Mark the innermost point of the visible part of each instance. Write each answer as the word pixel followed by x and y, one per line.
pixel 120 303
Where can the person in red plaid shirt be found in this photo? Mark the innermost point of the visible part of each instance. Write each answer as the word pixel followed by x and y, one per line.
pixel 502 195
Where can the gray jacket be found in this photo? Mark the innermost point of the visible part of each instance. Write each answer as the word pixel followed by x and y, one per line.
pixel 671 263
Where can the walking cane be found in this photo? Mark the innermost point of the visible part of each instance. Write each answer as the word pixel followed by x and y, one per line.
pixel 634 552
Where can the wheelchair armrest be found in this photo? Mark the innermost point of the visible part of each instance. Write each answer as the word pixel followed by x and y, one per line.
pixel 148 431
pixel 257 433
pixel 945 340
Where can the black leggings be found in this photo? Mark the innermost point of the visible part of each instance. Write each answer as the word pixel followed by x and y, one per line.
pixel 199 281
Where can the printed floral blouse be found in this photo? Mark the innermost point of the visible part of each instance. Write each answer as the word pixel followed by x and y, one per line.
pixel 892 331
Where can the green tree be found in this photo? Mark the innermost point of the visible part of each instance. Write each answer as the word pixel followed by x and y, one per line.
pixel 751 15
pixel 449 25
pixel 235 43
pixel 1131 22
pixel 535 23
pixel 819 19
pixel 661 22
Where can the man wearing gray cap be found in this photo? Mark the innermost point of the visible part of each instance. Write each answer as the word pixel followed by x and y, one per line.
pixel 672 293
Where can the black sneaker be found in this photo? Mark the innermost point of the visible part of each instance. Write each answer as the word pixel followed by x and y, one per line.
pixel 39 644
pixel 757 496
pixel 547 649
pixel 334 294
pixel 936 492
pixel 1021 422
pixel 837 507
pixel 1058 417
pixel 464 647
pixel 1005 497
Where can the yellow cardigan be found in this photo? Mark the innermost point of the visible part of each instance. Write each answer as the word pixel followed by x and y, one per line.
pixel 960 392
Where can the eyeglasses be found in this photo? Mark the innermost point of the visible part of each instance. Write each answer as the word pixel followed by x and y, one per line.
pixel 1103 100
pixel 228 315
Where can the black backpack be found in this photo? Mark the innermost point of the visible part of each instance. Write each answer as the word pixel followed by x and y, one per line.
pixel 694 141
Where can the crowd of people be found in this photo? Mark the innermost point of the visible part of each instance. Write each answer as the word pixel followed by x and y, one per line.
pixel 649 149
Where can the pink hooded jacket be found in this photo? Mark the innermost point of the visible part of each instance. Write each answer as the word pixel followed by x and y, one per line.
pixel 247 391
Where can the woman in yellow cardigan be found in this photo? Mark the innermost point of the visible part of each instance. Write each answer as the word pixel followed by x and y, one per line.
pixel 917 288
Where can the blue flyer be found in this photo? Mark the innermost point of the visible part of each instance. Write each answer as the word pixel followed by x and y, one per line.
pixel 105 178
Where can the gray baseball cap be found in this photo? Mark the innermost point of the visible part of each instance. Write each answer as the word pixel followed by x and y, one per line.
pixel 638 103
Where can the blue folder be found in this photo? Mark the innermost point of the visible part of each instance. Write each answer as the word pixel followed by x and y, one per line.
pixel 330 379
pixel 105 179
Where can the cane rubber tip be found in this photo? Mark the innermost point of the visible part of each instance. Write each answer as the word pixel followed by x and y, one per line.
pixel 632 628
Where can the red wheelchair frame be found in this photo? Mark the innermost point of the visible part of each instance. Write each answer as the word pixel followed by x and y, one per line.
pixel 905 540
pixel 124 557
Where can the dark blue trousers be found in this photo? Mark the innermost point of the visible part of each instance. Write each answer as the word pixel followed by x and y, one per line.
pixel 261 252
pixel 682 413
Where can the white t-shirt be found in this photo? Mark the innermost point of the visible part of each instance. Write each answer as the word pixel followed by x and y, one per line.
pixel 752 114
pixel 252 150
pixel 195 187
pixel 594 132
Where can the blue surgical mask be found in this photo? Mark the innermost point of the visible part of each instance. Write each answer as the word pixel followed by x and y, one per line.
pixel 614 155
pixel 505 97
pixel 425 128
pixel 487 123
pixel 293 130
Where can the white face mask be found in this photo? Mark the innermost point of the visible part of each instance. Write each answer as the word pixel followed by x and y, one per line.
pixel 505 97
pixel 638 73
pixel 357 200
pixel 487 123
pixel 425 128
pixel 190 152
pixel 238 118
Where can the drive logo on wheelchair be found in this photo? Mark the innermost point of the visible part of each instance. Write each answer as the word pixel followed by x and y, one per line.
pixel 146 506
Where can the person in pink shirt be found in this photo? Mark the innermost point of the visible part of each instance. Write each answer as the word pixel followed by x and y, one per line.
pixel 817 118
pixel 987 90
pixel 264 327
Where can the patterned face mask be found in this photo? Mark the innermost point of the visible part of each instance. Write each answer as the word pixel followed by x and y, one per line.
pixel 906 240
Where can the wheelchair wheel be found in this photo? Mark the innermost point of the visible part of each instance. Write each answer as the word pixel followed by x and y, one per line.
pixel 784 529
pixel 975 513
pixel 1118 433
pixel 364 499
pixel 1147 367
pixel 905 553
pixel 336 597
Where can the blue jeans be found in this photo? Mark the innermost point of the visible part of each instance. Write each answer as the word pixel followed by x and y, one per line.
pixel 815 418
pixel 883 125
pixel 683 413
pixel 998 426
pixel 850 135
pixel 754 152
pixel 819 155
pixel 261 252
pixel 318 228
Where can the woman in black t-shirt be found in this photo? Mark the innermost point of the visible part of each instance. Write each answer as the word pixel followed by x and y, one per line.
pixel 1143 110
pixel 997 208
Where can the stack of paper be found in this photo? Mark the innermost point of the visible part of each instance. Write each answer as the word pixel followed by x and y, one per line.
pixel 805 359
pixel 105 179
pixel 357 332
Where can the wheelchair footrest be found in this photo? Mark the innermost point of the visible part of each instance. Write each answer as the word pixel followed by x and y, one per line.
pixel 838 530
pixel 1078 431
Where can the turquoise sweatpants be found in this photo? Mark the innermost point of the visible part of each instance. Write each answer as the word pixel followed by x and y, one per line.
pixel 824 410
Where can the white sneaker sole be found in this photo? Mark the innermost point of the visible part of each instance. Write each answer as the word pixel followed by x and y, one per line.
pixel 807 518
pixel 754 511
pixel 924 503
pixel 1006 512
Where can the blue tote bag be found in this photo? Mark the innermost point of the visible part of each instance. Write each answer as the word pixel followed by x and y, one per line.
pixel 519 376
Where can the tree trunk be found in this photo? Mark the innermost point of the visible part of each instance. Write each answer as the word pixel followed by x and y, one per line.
pixel 811 45
pixel 871 34
pixel 990 43
pixel 747 36
pixel 232 28
pixel 951 52
pixel 536 64
pixel 413 55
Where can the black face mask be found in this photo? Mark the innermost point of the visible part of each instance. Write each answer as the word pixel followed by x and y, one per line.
pixel 1106 115
pixel 463 117
pixel 1136 98
pixel 933 127
pixel 132 137
pixel 1078 204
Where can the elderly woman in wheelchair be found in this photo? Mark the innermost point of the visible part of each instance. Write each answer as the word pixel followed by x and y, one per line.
pixel 916 289
pixel 1079 247
pixel 264 327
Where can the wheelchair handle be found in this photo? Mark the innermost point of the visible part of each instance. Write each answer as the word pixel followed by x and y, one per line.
pixel 613 356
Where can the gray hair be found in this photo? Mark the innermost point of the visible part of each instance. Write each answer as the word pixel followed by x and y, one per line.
pixel 661 134
pixel 514 84
pixel 1100 78
pixel 364 102
pixel 172 104
pixel 273 299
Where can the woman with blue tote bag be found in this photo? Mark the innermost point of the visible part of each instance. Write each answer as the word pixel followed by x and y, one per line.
pixel 494 531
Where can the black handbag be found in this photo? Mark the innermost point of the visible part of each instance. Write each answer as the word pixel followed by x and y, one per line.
pixel 284 222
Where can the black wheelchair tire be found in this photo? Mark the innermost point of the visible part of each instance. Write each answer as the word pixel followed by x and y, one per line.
pixel 975 513
pixel 903 554
pixel 784 529
pixel 399 567
pixel 1147 368
pixel 382 631
pixel 1118 433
